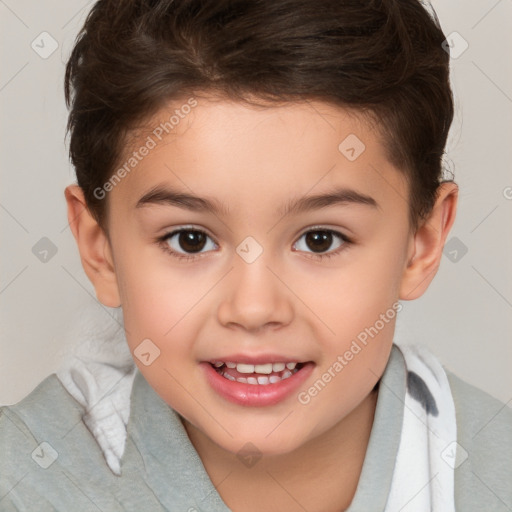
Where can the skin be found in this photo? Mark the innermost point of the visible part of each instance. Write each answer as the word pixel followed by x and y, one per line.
pixel 288 301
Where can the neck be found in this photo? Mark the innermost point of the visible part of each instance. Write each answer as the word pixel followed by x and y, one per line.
pixel 319 476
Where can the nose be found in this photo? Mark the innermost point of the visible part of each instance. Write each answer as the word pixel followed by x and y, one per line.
pixel 255 297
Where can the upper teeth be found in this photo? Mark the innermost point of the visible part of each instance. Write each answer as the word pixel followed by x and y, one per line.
pixel 267 368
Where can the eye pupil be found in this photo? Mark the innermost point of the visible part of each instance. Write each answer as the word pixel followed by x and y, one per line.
pixel 192 241
pixel 320 240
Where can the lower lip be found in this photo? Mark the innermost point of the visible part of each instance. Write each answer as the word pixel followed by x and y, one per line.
pixel 256 395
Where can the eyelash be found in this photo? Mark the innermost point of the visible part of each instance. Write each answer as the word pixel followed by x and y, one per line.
pixel 162 242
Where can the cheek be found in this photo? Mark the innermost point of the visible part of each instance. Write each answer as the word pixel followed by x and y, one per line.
pixel 154 294
pixel 354 295
pixel 359 303
pixel 159 328
pixel 154 307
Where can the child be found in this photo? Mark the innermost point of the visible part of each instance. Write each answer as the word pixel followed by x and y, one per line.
pixel 259 186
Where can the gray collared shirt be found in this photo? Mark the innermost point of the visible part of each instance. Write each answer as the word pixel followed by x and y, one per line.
pixel 50 461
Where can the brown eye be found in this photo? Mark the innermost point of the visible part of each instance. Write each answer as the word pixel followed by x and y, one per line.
pixel 319 241
pixel 191 241
pixel 188 241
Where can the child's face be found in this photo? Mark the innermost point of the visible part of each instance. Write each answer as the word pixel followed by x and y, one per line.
pixel 228 302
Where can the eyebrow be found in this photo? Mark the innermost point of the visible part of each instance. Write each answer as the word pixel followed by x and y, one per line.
pixel 163 195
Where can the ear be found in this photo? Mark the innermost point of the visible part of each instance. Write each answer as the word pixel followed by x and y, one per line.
pixel 426 248
pixel 94 247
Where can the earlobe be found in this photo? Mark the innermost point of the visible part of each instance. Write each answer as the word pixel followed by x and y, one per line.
pixel 94 247
pixel 428 242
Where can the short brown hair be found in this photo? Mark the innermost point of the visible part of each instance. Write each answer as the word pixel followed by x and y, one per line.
pixel 382 57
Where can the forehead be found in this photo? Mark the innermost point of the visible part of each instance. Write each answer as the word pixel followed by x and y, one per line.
pixel 242 154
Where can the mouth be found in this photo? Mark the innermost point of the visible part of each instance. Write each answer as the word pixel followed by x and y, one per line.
pixel 262 384
pixel 257 374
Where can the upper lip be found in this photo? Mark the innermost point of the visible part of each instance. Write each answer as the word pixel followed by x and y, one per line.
pixel 256 359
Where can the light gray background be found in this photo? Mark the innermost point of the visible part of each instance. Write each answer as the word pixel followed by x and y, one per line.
pixel 466 315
